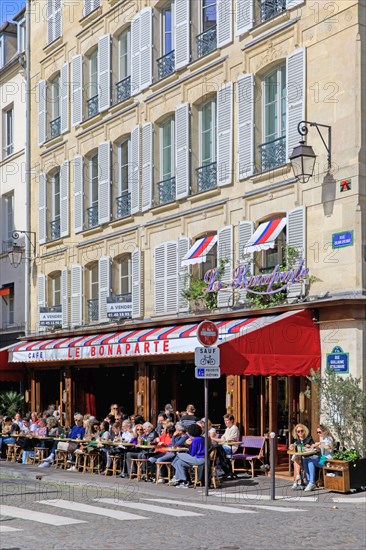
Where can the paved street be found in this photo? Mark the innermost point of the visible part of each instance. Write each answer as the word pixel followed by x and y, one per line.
pixel 69 510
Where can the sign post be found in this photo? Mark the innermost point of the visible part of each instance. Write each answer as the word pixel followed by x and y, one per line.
pixel 207 361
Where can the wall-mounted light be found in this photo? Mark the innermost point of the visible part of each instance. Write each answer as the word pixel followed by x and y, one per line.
pixel 139 398
pixel 27 396
pixel 303 157
pixel 229 399
pixel 15 254
pixel 302 402
pixel 64 397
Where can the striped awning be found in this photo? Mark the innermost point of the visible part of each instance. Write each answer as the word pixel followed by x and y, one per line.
pixel 198 252
pixel 282 344
pixel 265 236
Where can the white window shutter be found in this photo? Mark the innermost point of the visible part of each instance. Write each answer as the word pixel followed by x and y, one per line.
pixel 159 278
pixel 88 6
pixel 225 254
pixel 183 274
pixel 225 134
pixel 146 41
pixel 57 19
pixel 78 194
pixel 96 4
pixel 42 112
pixel 77 89
pixel 147 166
pixel 171 277
pixel 104 72
pixel 65 296
pixel 182 177
pixel 104 182
pixel 76 295
pixel 244 16
pixel 135 54
pixel 296 238
pixel 64 199
pixel 293 3
pixel 42 208
pixel 104 286
pixel 64 89
pixel 50 21
pixel 245 230
pixel 41 294
pixel 224 22
pixel 135 170
pixel 296 76
pixel 245 99
pixel 182 33
pixel 137 283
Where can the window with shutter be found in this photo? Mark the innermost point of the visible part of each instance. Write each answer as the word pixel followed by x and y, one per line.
pixel 104 286
pixel 245 94
pixel 183 274
pixel 42 208
pixel 135 54
pixel 93 199
pixel 104 182
pixel 92 292
pixel 42 112
pixel 225 134
pixel 90 6
pixel 206 41
pixel 104 72
pixel 159 278
pixel 296 238
pixel 64 200
pixel 166 188
pixel 147 166
pixel 123 86
pixel 225 265
pixel 207 171
pixel 57 19
pixel 50 21
pixel 166 277
pixel 77 89
pixel 137 283
pixel 55 224
pixel 65 296
pixel 41 295
pixel 124 179
pixel 93 85
pixel 296 79
pixel 78 194
pixel 76 295
pixel 55 106
pixel 245 231
pixel 182 34
pixel 135 170
pixel 224 22
pixel 182 166
pixel 64 99
pixel 244 16
pixel 146 41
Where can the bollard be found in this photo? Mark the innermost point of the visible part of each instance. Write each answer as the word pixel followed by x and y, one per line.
pixel 272 463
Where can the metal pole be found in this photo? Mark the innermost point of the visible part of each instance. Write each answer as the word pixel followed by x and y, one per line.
pixel 272 464
pixel 207 458
pixel 27 278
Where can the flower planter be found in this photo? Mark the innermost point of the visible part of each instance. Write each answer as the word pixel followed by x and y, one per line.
pixel 341 476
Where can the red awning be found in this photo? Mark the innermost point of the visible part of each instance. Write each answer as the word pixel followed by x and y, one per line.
pixel 288 346
pixel 8 372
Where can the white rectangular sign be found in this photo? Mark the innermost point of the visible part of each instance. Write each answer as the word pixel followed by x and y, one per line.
pixel 207 372
pixel 49 316
pixel 117 309
pixel 207 357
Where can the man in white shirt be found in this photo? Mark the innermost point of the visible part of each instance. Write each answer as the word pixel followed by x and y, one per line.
pixel 231 434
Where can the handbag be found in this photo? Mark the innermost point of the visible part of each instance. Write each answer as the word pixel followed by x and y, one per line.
pixel 66 446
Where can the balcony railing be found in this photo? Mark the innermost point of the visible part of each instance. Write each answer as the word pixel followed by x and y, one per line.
pixel 206 41
pixel 8 150
pixel 92 104
pixel 55 127
pixel 206 177
pixel 123 89
pixel 273 153
pixel 126 297
pixel 92 216
pixel 93 310
pixel 167 191
pixel 269 9
pixel 166 64
pixel 124 205
pixel 55 229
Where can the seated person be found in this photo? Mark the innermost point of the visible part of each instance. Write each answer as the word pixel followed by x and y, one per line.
pixel 310 463
pixel 9 428
pixel 188 417
pixel 300 436
pixel 231 434
pixel 160 423
pixel 163 441
pixel 147 438
pixel 195 456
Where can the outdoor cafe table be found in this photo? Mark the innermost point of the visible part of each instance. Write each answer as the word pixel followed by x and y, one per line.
pixel 302 454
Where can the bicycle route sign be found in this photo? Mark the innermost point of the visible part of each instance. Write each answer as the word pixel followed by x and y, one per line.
pixel 207 361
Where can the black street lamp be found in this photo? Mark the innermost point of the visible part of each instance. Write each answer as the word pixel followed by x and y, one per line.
pixel 303 157
pixel 15 254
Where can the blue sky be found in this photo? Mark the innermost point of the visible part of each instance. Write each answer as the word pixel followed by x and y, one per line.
pixel 8 8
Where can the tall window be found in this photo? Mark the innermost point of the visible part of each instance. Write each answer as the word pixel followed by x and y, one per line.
pixel 56 290
pixel 55 223
pixel 208 14
pixel 124 198
pixel 208 133
pixel 125 275
pixel 11 307
pixel 167 30
pixel 55 99
pixel 93 84
pixel 167 150
pixel 21 36
pixel 93 192
pixel 2 51
pixel 8 117
pixel 273 149
pixel 9 201
pixel 125 54
pixel 93 285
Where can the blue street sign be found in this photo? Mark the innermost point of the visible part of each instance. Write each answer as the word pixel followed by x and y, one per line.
pixel 340 240
pixel 338 361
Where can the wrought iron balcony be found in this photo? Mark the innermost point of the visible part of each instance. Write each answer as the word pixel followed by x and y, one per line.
pixel 206 177
pixel 55 127
pixel 273 153
pixel 206 41
pixel 124 205
pixel 93 310
pixel 92 104
pixel 8 150
pixel 166 64
pixel 55 229
pixel 269 9
pixel 93 216
pixel 167 191
pixel 123 89
pixel 126 297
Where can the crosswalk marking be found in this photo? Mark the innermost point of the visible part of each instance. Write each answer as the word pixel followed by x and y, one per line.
pixel 350 500
pixel 149 508
pixel 242 497
pixel 275 508
pixel 8 529
pixel 40 517
pixel 89 509
pixel 213 507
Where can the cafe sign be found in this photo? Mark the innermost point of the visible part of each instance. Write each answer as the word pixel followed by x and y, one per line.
pixel 50 316
pixel 118 307
pixel 241 279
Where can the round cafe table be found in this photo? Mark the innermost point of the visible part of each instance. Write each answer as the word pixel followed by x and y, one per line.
pixel 302 454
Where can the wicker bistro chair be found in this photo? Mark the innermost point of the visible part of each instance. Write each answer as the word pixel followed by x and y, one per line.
pixel 213 477
pixel 61 459
pixel 159 467
pixel 40 453
pixel 252 450
pixel 141 465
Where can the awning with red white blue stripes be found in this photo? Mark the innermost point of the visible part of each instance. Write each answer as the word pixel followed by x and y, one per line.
pixel 265 236
pixel 197 254
pixel 286 343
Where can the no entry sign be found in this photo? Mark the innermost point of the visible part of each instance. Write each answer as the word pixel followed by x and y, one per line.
pixel 207 333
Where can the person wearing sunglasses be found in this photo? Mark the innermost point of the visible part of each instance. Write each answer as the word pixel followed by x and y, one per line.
pixel 325 445
pixel 301 438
